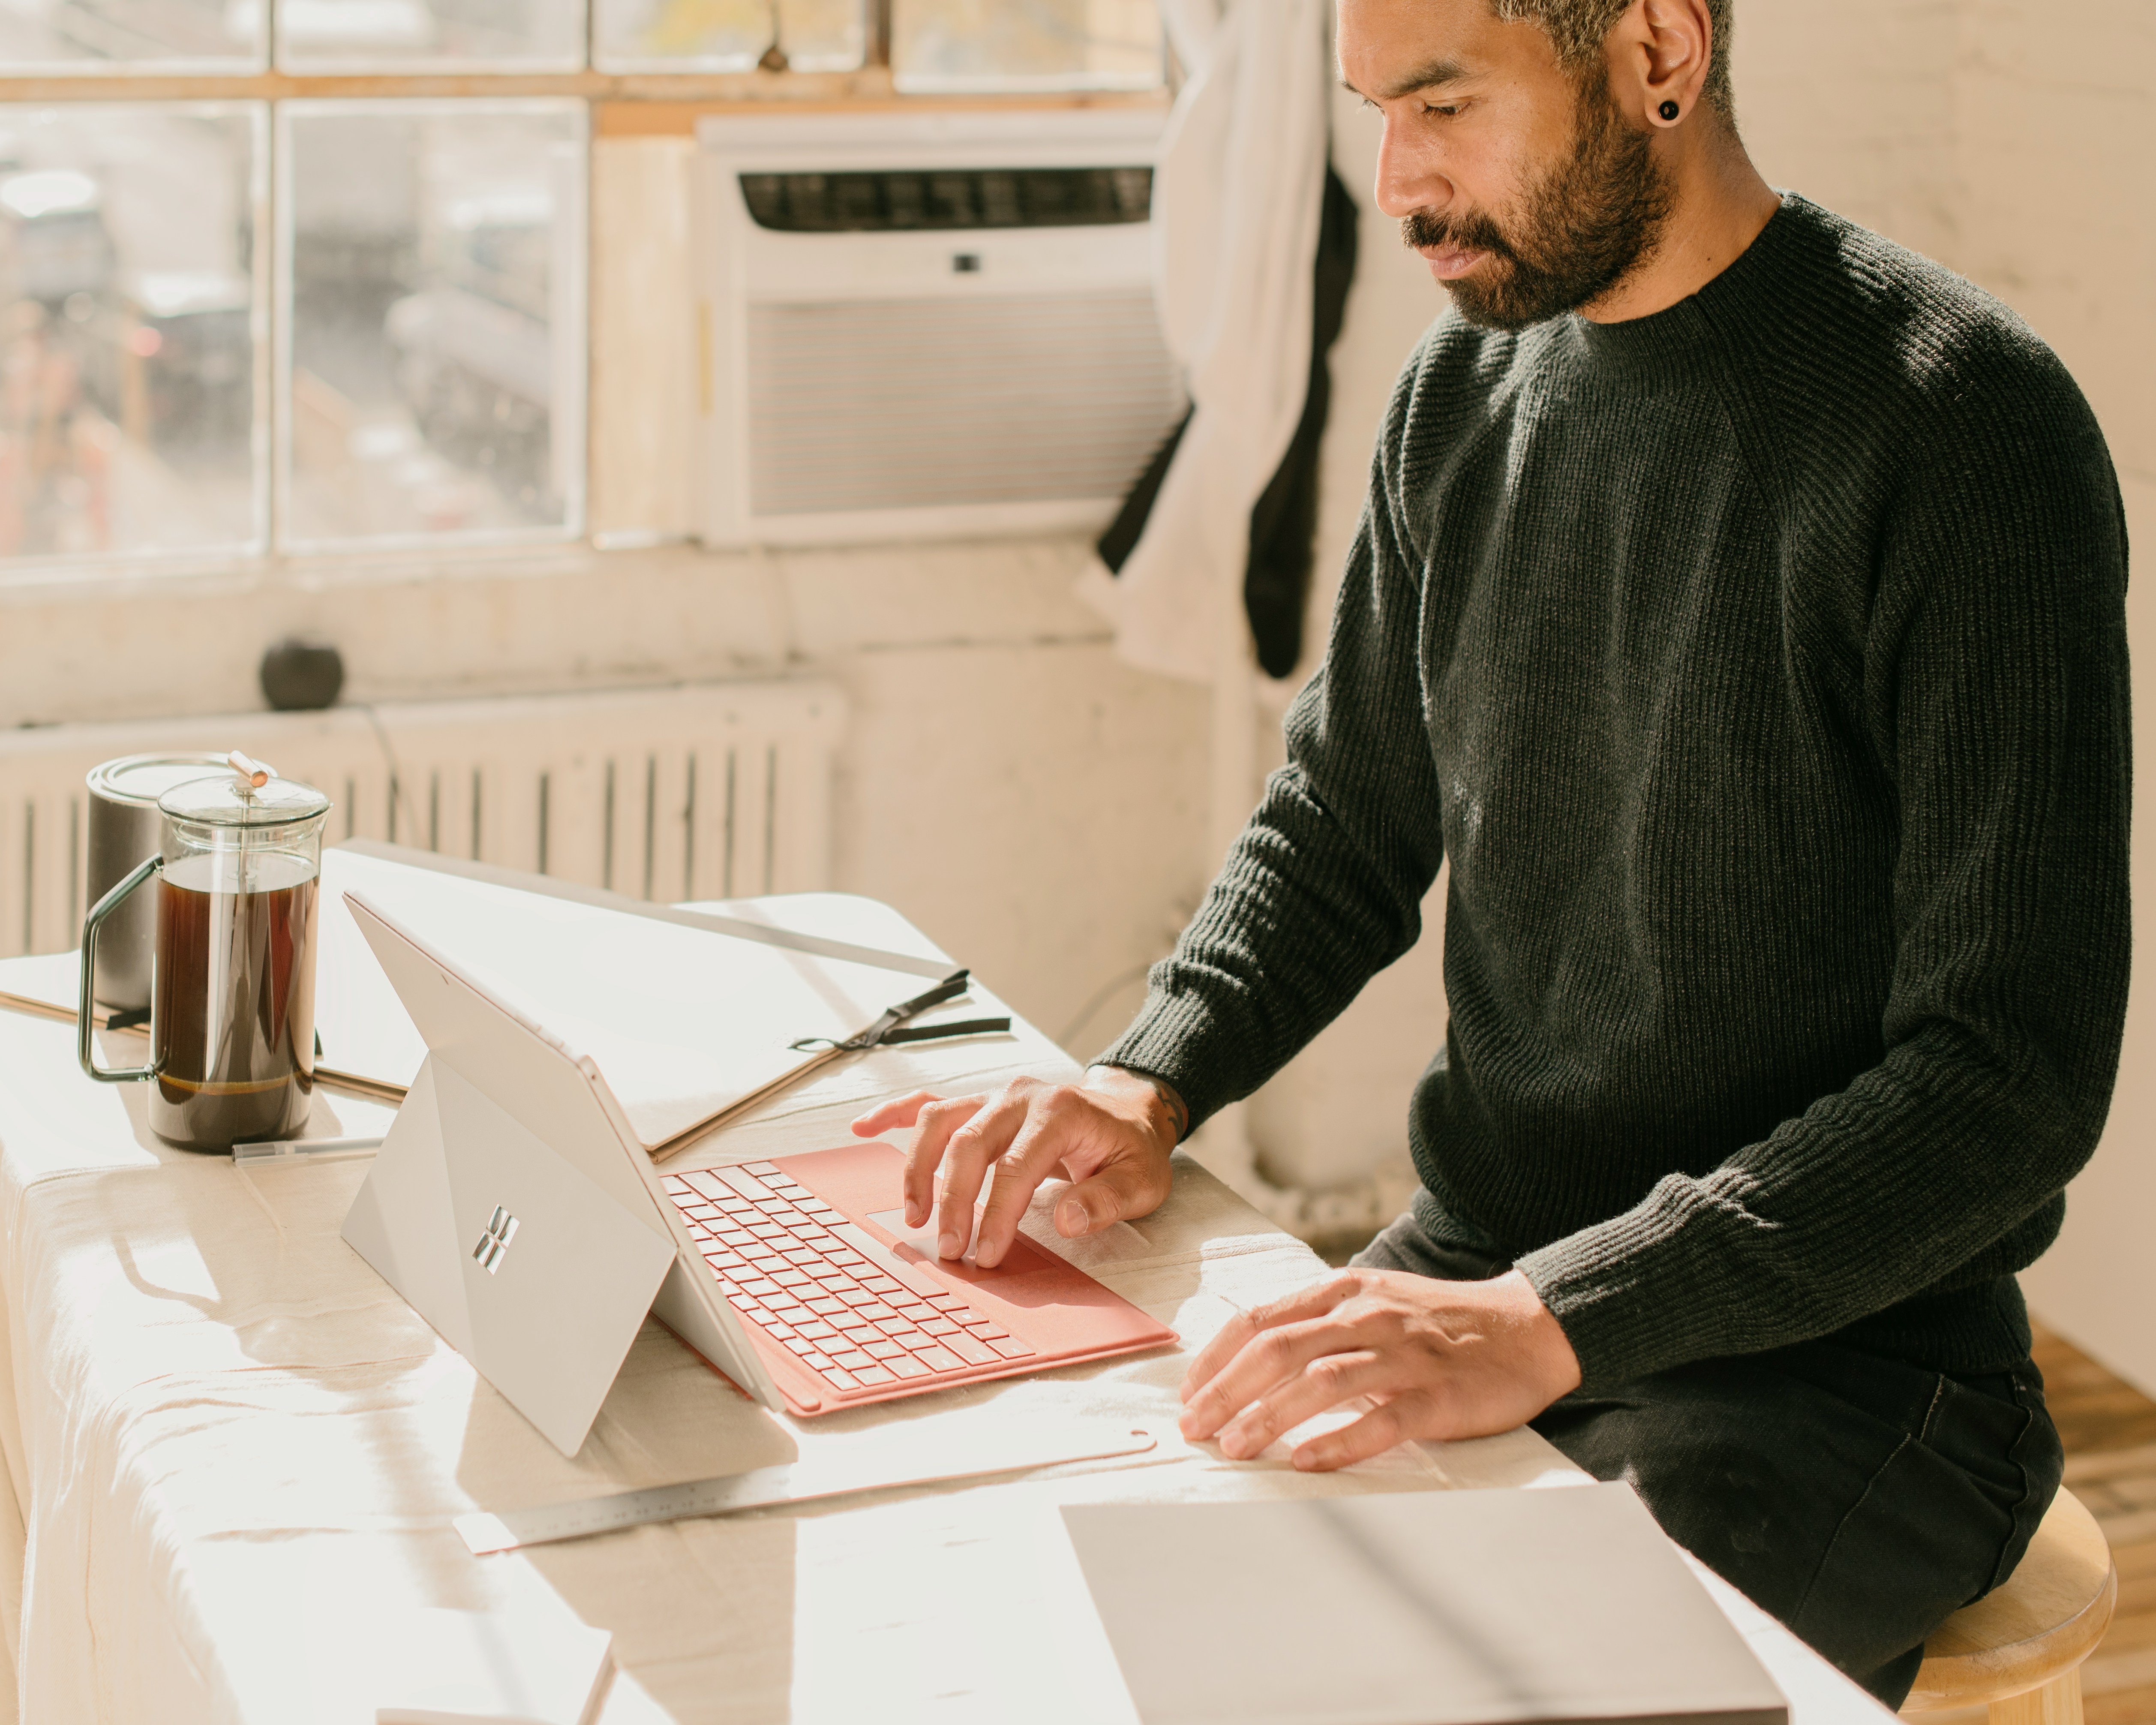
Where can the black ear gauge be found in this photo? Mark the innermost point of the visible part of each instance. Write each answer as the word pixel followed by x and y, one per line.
pixel 1669 110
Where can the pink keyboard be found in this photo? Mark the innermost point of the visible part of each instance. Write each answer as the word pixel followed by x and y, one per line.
pixel 783 1262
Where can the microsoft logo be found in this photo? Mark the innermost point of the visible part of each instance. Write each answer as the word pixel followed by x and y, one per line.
pixel 493 1245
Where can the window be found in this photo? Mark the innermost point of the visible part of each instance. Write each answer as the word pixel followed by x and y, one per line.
pixel 1024 44
pixel 319 288
pixel 432 370
pixel 131 296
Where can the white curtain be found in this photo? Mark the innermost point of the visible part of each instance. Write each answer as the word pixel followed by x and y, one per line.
pixel 1236 196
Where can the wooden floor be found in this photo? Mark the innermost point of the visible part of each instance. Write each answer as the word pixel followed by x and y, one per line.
pixel 2109 1429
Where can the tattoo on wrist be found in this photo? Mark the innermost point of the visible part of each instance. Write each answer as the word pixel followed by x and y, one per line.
pixel 1178 1111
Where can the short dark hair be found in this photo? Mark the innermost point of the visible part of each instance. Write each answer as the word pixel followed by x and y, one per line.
pixel 1578 27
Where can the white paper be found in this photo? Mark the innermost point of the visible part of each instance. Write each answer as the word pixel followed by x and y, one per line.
pixel 426 1667
pixel 683 1022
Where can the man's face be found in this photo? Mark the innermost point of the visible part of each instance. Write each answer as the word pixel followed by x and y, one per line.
pixel 1526 190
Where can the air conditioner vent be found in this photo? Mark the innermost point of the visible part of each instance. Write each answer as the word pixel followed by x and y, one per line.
pixel 907 201
pixel 925 403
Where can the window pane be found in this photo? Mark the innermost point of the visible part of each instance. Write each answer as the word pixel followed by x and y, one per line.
pixel 1025 44
pixel 413 35
pixel 131 36
pixel 433 364
pixel 130 330
pixel 726 35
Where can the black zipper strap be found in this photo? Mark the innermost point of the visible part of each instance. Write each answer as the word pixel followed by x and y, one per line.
pixel 886 1029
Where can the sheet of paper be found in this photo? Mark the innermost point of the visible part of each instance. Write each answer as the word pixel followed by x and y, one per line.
pixel 535 1664
pixel 683 1022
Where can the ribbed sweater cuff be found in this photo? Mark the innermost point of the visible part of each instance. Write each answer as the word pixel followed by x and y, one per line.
pixel 1629 1298
pixel 1177 1038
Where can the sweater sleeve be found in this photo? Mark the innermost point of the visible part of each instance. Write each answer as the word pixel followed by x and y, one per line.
pixel 1324 887
pixel 1996 690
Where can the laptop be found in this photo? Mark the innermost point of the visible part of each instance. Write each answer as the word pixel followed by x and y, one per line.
pixel 514 1207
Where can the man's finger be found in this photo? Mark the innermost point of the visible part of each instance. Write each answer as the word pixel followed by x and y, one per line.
pixel 1376 1432
pixel 938 1117
pixel 971 1150
pixel 1310 1302
pixel 1034 1152
pixel 1325 1382
pixel 1273 1354
pixel 892 1116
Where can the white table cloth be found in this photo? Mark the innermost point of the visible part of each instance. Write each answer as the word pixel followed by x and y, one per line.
pixel 227 1439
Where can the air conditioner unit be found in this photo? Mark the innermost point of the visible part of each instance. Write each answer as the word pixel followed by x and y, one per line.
pixel 925 325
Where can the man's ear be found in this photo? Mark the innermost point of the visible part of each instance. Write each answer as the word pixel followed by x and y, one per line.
pixel 1660 53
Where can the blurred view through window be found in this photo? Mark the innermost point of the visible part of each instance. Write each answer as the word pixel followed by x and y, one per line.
pixel 131 35
pixel 391 354
pixel 434 371
pixel 130 325
pixel 1024 44
pixel 424 35
pixel 726 35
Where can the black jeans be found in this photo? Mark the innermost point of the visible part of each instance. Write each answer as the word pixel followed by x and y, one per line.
pixel 1860 1499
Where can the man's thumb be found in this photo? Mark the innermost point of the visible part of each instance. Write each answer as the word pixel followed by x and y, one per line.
pixel 1121 1190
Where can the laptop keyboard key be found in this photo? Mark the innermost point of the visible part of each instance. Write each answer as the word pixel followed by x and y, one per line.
pixel 974 1354
pixel 853 1359
pixel 874 1375
pixel 908 1368
pixel 1010 1349
pixel 840 1376
pixel 882 1350
pixel 940 1359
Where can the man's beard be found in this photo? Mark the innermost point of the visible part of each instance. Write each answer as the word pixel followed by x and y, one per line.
pixel 1589 223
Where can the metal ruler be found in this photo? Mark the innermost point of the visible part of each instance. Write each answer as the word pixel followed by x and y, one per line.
pixel 952 1457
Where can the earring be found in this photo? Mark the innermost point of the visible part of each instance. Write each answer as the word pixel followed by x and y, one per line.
pixel 1671 110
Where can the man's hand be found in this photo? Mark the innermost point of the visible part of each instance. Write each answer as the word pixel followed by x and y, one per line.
pixel 1442 1360
pixel 1110 1137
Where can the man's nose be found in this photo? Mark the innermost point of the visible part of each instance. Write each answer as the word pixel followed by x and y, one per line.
pixel 1408 178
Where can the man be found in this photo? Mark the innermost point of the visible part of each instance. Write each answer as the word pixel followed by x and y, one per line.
pixel 1739 605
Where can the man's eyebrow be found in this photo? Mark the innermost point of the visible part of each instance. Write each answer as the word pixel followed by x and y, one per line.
pixel 1425 77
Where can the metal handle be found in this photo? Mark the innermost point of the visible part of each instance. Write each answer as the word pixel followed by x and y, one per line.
pixel 84 1023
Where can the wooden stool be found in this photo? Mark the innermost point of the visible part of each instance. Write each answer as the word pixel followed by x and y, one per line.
pixel 2019 1648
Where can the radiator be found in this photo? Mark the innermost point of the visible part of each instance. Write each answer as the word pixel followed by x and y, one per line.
pixel 718 791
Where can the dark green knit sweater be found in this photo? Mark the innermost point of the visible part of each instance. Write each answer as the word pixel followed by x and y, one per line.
pixel 1761 667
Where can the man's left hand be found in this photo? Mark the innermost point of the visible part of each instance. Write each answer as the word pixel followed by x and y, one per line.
pixel 1441 1360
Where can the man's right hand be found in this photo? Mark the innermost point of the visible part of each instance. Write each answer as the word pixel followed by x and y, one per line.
pixel 1110 1137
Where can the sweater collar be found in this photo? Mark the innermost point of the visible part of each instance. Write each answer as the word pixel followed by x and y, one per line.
pixel 1674 343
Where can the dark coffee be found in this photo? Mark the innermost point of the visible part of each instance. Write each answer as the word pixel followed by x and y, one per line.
pixel 233 1023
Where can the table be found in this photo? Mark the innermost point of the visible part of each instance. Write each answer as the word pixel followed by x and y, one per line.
pixel 223 1433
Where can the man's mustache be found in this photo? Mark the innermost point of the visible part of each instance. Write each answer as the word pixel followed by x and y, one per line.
pixel 1472 232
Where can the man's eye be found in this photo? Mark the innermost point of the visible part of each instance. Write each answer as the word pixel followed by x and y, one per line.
pixel 1443 111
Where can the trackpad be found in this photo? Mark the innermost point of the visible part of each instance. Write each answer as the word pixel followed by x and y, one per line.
pixel 923 1239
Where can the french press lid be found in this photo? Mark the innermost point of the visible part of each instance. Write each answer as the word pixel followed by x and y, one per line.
pixel 228 800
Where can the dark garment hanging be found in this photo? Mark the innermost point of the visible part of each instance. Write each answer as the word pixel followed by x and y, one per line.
pixel 1284 521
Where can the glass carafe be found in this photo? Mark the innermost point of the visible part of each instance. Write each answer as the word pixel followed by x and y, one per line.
pixel 232 1003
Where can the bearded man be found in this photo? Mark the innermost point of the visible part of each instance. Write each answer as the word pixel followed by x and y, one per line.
pixel 1739 605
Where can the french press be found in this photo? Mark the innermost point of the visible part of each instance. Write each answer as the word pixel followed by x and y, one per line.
pixel 232 982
